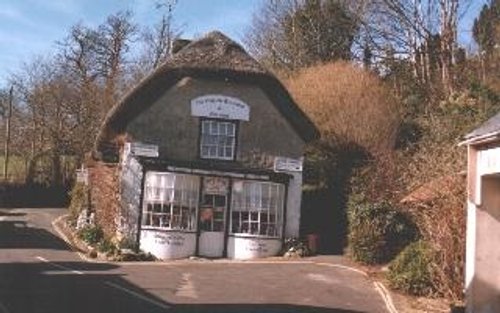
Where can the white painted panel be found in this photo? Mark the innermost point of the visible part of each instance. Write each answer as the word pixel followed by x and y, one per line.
pixel 470 250
pixel 245 248
pixel 211 244
pixel 168 244
pixel 220 106
pixel 293 203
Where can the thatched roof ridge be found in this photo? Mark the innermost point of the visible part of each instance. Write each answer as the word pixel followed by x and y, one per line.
pixel 216 57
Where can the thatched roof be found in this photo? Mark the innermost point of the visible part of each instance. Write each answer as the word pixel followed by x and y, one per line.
pixel 214 57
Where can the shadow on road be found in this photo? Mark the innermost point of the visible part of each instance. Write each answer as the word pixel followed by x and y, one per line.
pixel 16 195
pixel 45 287
pixel 16 234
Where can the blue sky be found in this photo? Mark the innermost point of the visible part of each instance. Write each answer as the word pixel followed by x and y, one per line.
pixel 31 27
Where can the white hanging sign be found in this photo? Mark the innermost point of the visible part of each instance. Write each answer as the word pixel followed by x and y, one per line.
pixel 282 164
pixel 219 106
pixel 140 149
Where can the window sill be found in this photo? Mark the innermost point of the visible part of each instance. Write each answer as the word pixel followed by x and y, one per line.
pixel 250 236
pixel 168 230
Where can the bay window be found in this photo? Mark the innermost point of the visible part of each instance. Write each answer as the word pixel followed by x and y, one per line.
pixel 170 201
pixel 257 208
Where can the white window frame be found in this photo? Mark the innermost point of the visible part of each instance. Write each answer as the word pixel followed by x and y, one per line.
pixel 170 201
pixel 219 131
pixel 255 206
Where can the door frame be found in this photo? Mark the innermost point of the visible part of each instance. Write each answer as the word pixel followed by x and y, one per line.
pixel 226 213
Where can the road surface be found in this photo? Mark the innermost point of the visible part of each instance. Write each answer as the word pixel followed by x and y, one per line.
pixel 39 273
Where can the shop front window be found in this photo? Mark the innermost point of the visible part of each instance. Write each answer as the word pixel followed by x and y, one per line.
pixel 257 208
pixel 170 201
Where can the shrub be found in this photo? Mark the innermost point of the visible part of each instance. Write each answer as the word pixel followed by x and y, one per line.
pixel 91 234
pixel 441 221
pixel 128 243
pixel 106 246
pixel 295 247
pixel 348 104
pixel 79 201
pixel 377 232
pixel 411 270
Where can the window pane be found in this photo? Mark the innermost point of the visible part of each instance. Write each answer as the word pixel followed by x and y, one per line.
pixel 230 129
pixel 220 152
pixel 213 151
pixel 218 226
pixel 204 151
pixel 220 201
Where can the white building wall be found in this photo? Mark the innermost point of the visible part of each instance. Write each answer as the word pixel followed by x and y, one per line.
pixel 246 247
pixel 470 252
pixel 293 204
pixel 166 245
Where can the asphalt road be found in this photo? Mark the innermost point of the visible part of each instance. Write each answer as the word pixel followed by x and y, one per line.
pixel 39 273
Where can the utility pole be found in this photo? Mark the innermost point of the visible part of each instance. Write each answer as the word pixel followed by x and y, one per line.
pixel 7 135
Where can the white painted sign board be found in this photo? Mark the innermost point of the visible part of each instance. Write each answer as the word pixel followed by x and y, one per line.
pixel 282 164
pixel 220 106
pixel 141 149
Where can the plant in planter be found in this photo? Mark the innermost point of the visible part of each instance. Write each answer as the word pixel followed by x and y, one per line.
pixel 294 247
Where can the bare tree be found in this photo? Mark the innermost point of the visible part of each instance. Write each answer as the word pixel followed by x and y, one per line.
pixel 416 30
pixel 290 34
pixel 114 38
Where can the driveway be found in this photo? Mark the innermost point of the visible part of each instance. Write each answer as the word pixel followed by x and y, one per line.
pixel 39 273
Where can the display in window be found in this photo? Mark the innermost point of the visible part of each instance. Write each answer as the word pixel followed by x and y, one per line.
pixel 171 201
pixel 257 208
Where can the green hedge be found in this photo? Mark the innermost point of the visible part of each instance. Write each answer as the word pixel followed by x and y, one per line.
pixel 411 270
pixel 377 232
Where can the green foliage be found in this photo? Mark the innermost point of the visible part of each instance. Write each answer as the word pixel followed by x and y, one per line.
pixel 486 27
pixel 411 270
pixel 128 243
pixel 91 234
pixel 377 232
pixel 79 201
pixel 106 246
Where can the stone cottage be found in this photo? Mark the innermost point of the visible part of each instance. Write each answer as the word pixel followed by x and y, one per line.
pixel 482 274
pixel 203 157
